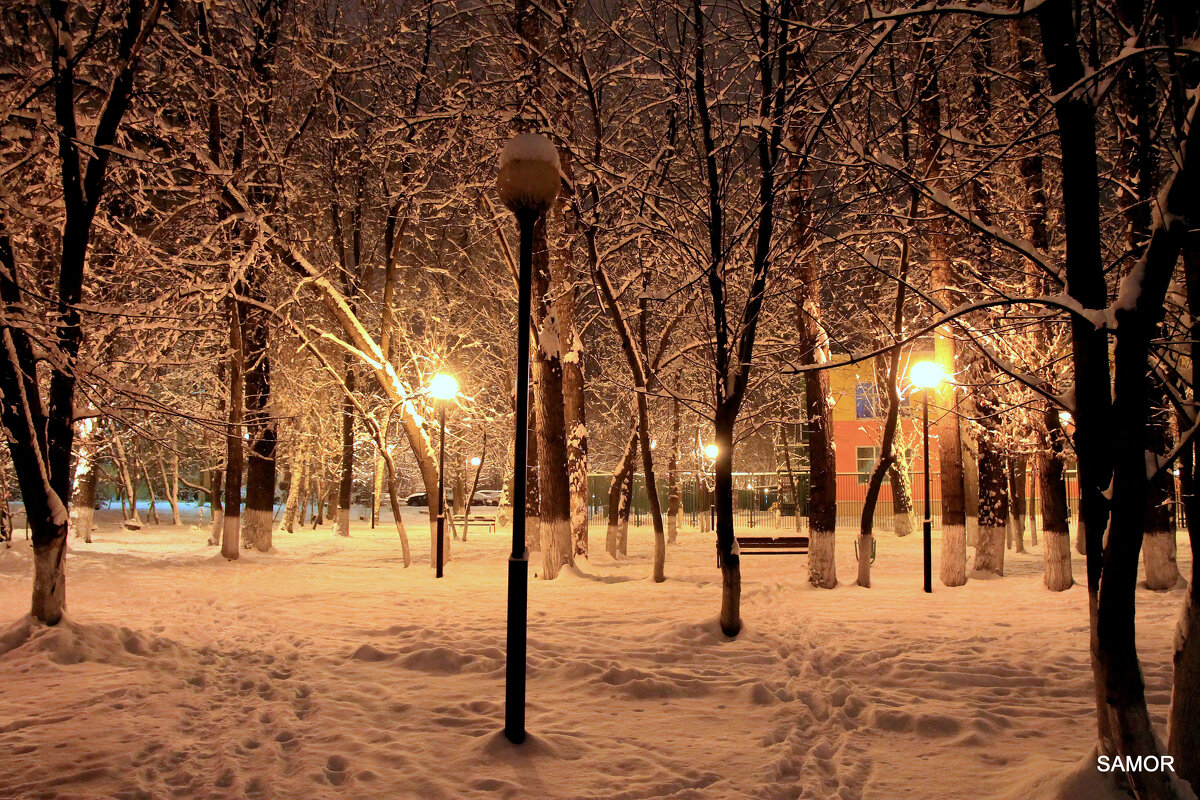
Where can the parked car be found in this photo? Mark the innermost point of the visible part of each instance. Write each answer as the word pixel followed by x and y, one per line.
pixel 486 497
pixel 418 499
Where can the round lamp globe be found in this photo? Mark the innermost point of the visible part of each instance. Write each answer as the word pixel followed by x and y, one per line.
pixel 529 179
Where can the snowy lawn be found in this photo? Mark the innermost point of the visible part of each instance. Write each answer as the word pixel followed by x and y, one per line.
pixel 326 669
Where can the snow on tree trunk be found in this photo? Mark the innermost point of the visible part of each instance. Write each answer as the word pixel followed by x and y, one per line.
pixel 618 509
pixel 295 488
pixel 902 499
pixel 813 346
pixel 574 405
pixel 87 477
pixel 727 548
pixel 553 474
pixel 993 507
pixel 216 505
pixel 126 479
pixel 230 525
pixel 1158 543
pixel 1052 484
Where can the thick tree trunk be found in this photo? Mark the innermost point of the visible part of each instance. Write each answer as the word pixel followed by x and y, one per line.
pixel 1056 546
pixel 553 471
pixel 152 509
pixel 574 419
pixel 813 346
pixel 346 484
pixel 259 515
pixel 902 499
pixel 993 506
pixel 727 551
pixel 1158 544
pixel 233 456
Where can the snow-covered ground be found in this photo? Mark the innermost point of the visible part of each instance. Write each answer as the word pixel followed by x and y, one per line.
pixel 326 669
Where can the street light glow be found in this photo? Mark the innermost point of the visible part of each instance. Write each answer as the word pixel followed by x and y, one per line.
pixel 443 387
pixel 927 374
pixel 1065 417
pixel 711 450
pixel 476 461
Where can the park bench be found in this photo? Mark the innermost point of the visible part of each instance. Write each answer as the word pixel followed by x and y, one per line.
pixel 772 545
pixel 476 519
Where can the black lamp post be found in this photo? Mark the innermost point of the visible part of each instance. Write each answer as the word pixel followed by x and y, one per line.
pixel 443 388
pixel 927 375
pixel 528 185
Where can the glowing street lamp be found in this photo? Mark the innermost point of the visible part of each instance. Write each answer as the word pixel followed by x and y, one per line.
pixel 711 451
pixel 442 388
pixel 528 185
pixel 926 375
pixel 476 461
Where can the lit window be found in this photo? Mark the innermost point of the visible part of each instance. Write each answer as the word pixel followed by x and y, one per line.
pixel 865 458
pixel 866 401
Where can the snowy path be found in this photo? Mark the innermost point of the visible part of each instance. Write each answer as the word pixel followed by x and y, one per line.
pixel 327 670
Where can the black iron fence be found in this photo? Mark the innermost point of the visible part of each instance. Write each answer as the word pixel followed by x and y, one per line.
pixel 759 501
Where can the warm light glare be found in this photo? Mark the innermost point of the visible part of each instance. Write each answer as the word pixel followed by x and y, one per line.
pixel 654 444
pixel 1065 417
pixel 443 387
pixel 710 450
pixel 926 374
pixel 475 462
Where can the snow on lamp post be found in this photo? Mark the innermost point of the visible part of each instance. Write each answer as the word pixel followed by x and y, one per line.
pixel 442 388
pixel 926 375
pixel 528 185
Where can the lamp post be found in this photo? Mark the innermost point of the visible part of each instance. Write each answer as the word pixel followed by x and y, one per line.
pixel 443 388
pixel 927 375
pixel 528 185
pixel 711 451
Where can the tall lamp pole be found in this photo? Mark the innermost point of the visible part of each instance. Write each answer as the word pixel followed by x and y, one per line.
pixel 443 388
pixel 927 375
pixel 528 185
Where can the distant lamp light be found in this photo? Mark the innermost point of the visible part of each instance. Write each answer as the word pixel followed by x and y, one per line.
pixel 443 387
pixel 711 450
pixel 476 461
pixel 653 444
pixel 927 374
pixel 1065 417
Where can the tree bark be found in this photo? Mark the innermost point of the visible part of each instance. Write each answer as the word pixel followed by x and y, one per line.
pixel 616 494
pixel 231 523
pixel 346 483
pixel 258 518
pixel 673 505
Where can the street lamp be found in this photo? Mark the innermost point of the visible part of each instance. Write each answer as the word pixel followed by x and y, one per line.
pixel 927 375
pixel 711 451
pixel 528 185
pixel 443 388
pixel 476 461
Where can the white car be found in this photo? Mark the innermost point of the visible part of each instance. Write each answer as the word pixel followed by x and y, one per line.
pixel 486 497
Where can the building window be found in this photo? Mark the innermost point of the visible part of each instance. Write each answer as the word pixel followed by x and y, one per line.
pixel 866 401
pixel 865 458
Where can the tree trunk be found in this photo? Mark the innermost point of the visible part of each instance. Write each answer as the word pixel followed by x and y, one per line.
pixel 1056 545
pixel 1016 482
pixel 233 456
pixel 346 484
pixel 295 501
pixel 553 472
pixel 533 495
pixel 728 554
pixel 152 509
pixel 673 505
pixel 1158 544
pixel 993 506
pixel 616 495
pixel 813 346
pixel 259 515
pixel 127 483
pixel 87 477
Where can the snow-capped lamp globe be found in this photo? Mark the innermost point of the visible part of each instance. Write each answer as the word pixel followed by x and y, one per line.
pixel 711 451
pixel 529 179
pixel 528 184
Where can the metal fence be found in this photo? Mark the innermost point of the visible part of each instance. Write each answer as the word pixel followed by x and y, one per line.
pixel 757 501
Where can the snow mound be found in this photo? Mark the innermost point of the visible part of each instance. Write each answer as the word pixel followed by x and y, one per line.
pixel 71 642
pixel 529 147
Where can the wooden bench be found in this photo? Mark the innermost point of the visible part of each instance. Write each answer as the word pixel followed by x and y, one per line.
pixel 476 519
pixel 772 545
